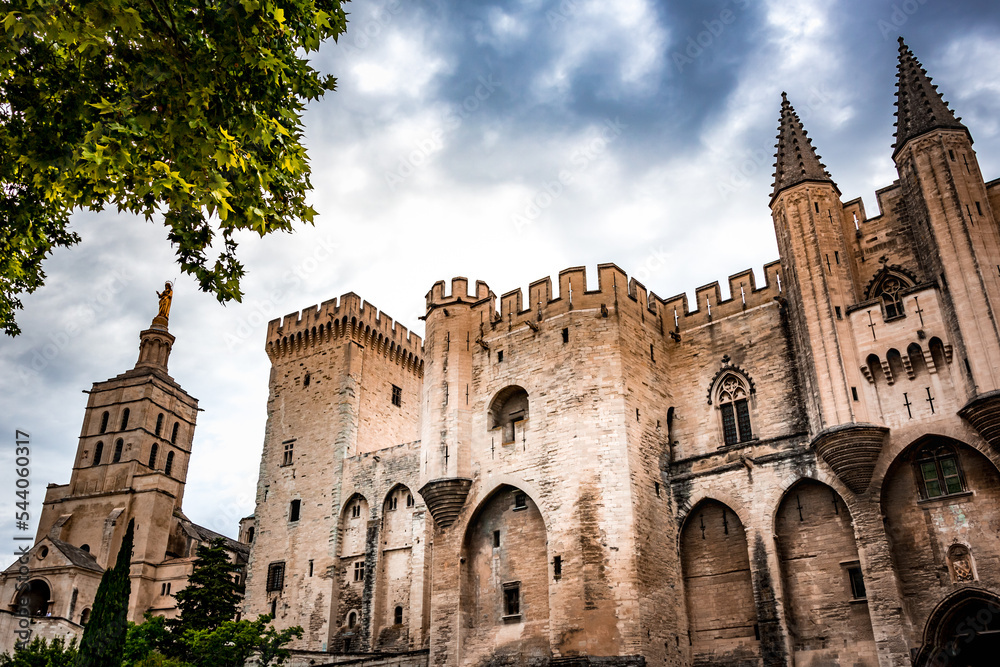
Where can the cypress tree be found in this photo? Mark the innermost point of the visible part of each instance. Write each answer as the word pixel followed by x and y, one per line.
pixel 104 637
pixel 211 597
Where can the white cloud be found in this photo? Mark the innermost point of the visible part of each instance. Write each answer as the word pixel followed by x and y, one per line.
pixel 627 34
pixel 400 65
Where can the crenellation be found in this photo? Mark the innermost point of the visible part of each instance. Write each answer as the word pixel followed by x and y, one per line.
pixel 706 297
pixel 615 288
pixel 347 316
pixel 540 293
pixel 459 292
pixel 885 199
pixel 572 285
pixel 637 292
pixel 742 285
pixel 510 306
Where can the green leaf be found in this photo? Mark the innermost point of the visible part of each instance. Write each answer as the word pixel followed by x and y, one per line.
pixel 187 110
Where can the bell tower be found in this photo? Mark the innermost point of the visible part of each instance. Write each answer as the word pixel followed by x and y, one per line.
pixel 132 457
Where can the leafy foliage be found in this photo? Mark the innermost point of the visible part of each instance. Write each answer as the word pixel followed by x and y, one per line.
pixel 231 643
pixel 186 108
pixel 40 653
pixel 205 634
pixel 104 637
pixel 234 642
pixel 211 596
pixel 156 659
pixel 144 639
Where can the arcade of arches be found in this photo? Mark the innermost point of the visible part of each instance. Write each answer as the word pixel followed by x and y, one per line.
pixel 936 502
pixel 376 572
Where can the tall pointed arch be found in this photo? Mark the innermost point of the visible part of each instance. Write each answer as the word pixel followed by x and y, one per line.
pixel 718 588
pixel 825 599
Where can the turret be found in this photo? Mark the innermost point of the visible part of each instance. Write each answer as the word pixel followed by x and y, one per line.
pixel 816 276
pixel 453 332
pixel 954 229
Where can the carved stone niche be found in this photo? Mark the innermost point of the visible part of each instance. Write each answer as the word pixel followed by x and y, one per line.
pixel 445 498
pixel 961 565
pixel 851 450
pixel 983 412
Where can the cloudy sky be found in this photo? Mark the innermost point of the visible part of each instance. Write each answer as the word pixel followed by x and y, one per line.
pixel 502 141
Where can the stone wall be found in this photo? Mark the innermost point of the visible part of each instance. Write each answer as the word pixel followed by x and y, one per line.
pixel 333 438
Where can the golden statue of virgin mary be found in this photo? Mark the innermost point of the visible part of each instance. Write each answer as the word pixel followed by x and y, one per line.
pixel 165 297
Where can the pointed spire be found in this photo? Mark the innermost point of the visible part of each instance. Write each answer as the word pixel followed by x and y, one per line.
pixel 797 161
pixel 919 106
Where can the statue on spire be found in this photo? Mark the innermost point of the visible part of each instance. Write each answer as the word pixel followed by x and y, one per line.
pixel 165 297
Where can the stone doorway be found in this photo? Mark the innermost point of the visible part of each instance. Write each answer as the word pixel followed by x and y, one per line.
pixel 963 631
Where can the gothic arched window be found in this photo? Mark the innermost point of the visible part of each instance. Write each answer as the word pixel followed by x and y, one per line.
pixel 173 433
pixel 397 616
pixel 104 422
pixel 888 286
pixel 938 472
pixel 169 467
pixel 733 399
pixel 119 446
pixel 152 455
pixel 159 424
pixel 889 294
pixel 98 450
pixel 124 420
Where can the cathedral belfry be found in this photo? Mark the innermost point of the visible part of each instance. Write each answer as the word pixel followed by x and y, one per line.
pixel 131 463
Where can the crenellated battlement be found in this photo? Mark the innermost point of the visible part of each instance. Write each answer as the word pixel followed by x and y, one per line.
pixel 459 293
pixel 346 316
pixel 615 290
pixel 710 305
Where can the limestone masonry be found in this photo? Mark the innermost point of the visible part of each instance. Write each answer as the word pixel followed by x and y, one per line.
pixel 804 473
